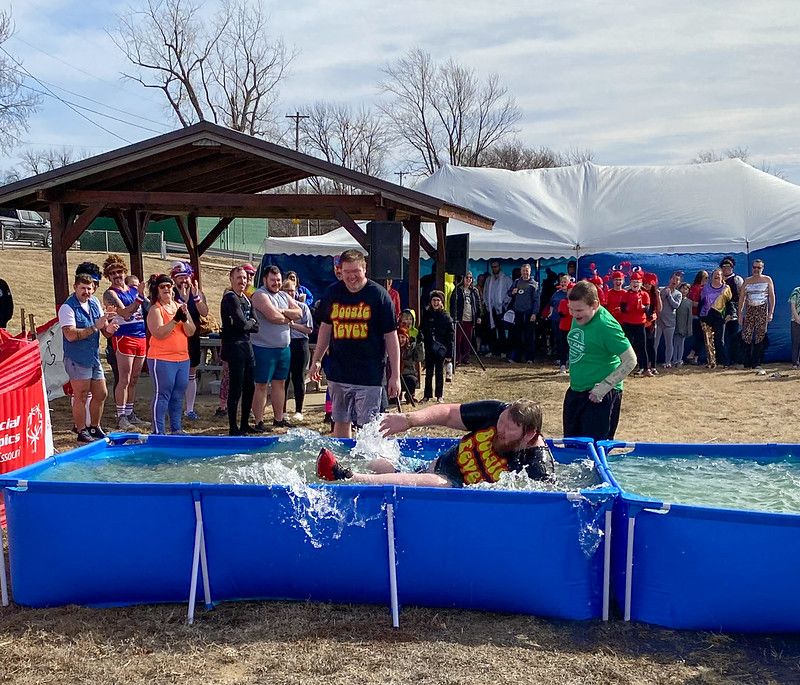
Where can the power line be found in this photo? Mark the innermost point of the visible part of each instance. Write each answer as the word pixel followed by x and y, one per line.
pixel 80 114
pixel 93 111
pixel 72 66
pixel 97 102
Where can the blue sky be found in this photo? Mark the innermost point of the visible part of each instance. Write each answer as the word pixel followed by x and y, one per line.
pixel 650 82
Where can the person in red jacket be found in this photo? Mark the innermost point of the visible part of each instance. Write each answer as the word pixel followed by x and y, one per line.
pixel 564 324
pixel 633 307
pixel 614 296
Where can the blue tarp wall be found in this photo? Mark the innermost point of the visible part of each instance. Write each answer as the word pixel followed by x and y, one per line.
pixel 780 262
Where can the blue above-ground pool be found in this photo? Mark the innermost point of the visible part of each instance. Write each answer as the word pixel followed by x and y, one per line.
pixel 703 567
pixel 113 544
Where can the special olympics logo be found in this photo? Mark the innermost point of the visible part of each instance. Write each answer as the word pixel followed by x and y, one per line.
pixel 34 426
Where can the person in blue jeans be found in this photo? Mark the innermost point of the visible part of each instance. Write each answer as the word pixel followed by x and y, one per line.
pixel 170 327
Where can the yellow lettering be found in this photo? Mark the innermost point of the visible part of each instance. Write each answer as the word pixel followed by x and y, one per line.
pixel 335 311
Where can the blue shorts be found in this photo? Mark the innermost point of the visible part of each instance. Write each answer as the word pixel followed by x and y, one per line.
pixel 272 363
pixel 76 372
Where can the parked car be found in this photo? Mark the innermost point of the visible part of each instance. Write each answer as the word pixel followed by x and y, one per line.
pixel 22 224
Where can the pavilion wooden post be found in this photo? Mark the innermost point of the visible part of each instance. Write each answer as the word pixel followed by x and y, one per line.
pixel 190 237
pixel 132 225
pixel 441 254
pixel 59 252
pixel 413 227
pixel 194 256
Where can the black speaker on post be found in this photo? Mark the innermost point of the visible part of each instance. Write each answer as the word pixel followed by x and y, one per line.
pixel 385 250
pixel 457 254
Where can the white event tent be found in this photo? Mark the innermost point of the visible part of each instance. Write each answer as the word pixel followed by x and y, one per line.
pixel 719 207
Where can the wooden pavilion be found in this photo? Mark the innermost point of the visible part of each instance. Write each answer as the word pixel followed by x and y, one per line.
pixel 208 170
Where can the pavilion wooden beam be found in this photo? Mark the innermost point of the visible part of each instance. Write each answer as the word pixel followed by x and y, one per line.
pixel 413 226
pixel 213 234
pixel 76 229
pixel 429 249
pixel 194 240
pixel 451 212
pixel 132 225
pixel 352 227
pixel 58 222
pixel 158 201
pixel 441 254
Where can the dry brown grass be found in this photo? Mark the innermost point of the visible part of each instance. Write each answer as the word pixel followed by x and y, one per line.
pixel 279 642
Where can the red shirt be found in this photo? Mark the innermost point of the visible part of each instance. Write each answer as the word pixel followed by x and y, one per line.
pixel 565 318
pixel 694 296
pixel 613 298
pixel 636 305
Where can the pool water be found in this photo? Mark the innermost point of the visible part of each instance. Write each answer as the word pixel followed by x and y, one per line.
pixel 291 460
pixel 749 484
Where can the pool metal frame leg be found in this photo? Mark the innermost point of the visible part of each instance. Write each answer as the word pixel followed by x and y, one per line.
pixel 629 568
pixel 664 509
pixel 607 566
pixel 199 563
pixel 392 566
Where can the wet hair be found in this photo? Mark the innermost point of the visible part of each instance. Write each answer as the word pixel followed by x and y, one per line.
pixel 584 291
pixel 292 275
pixel 527 414
pixel 112 262
pixel 235 269
pixel 727 260
pixel 698 277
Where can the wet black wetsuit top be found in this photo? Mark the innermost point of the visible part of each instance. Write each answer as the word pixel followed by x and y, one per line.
pixel 473 459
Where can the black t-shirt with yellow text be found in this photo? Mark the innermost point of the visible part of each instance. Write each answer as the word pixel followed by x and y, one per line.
pixel 358 323
pixel 474 460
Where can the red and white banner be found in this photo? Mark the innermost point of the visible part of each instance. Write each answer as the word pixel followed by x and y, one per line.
pixel 26 435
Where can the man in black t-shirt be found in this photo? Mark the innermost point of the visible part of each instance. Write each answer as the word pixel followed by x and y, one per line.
pixel 359 330
pixel 502 437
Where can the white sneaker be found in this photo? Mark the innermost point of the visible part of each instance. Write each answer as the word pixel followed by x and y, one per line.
pixel 298 416
pixel 562 371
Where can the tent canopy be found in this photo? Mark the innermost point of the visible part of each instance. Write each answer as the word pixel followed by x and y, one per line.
pixel 719 207
pixel 725 206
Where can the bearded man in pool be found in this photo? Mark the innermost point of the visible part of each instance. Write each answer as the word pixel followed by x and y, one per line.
pixel 502 437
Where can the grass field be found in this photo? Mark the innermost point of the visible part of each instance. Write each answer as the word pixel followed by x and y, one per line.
pixel 278 642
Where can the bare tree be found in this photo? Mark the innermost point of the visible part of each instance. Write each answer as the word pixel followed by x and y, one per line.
pixel 16 102
pixel 226 70
pixel 514 155
pixel 35 162
pixel 445 113
pixel 353 138
pixel 739 152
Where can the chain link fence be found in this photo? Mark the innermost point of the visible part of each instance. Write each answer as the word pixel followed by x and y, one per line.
pixel 111 241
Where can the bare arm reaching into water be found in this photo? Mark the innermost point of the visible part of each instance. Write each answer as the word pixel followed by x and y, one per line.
pixel 447 415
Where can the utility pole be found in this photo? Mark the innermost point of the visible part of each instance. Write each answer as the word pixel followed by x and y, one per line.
pixel 297 117
pixel 401 174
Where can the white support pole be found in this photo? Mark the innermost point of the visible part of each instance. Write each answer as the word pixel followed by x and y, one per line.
pixel 3 579
pixel 607 566
pixel 163 247
pixel 392 566
pixel 106 234
pixel 198 537
pixel 629 568
pixel 198 512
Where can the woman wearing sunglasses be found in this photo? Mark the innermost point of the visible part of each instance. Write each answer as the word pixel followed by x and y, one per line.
pixel 170 327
